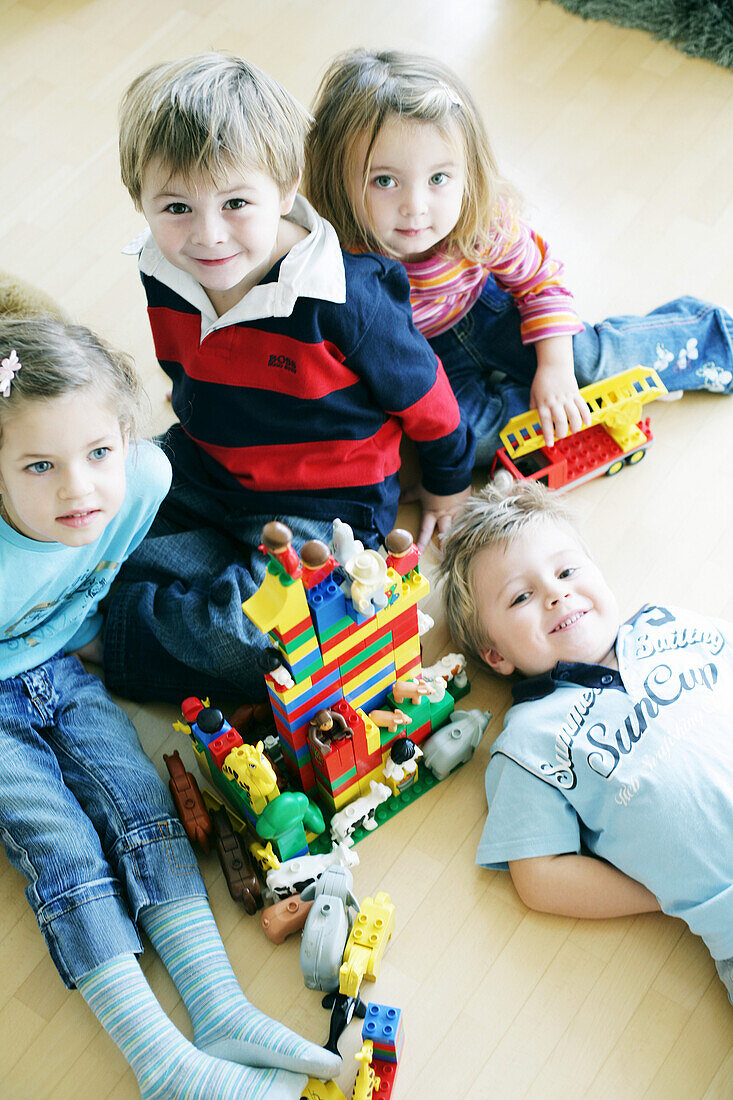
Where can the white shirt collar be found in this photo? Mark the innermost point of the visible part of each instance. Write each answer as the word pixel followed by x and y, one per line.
pixel 313 268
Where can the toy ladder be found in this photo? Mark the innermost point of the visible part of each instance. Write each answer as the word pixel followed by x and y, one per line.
pixel 614 402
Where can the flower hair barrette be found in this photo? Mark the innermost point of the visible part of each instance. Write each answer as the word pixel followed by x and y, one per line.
pixel 8 369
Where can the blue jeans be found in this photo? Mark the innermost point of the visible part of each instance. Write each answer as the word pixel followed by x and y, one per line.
pixel 85 817
pixel 174 620
pixel 689 342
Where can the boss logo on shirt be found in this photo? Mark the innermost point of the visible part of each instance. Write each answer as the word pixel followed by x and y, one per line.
pixel 282 361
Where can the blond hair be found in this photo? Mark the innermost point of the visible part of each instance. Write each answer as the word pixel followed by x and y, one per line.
pixel 363 89
pixel 206 114
pixel 492 517
pixel 58 359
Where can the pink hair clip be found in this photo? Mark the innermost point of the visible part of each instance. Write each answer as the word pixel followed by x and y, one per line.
pixel 8 369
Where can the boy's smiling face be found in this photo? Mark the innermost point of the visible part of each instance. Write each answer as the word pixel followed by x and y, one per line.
pixel 226 235
pixel 541 600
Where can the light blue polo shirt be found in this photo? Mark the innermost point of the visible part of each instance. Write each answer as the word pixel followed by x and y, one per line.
pixel 638 769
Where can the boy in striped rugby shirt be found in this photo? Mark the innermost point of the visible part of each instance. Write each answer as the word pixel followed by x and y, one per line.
pixel 296 368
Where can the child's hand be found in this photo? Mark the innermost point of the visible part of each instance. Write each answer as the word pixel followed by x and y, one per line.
pixel 437 512
pixel 555 392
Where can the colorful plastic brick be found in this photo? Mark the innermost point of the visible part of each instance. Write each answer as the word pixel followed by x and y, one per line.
pixel 327 603
pixel 386 1072
pixel 222 745
pixel 383 1027
pixel 366 944
pixel 357 662
pixel 344 667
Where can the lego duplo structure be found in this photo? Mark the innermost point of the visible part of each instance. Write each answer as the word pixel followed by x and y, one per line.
pixel 346 661
pixel 345 642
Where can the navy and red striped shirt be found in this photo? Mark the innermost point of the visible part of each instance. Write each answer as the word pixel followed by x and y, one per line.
pixel 303 415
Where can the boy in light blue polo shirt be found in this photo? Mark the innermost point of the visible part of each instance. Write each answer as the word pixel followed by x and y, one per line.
pixel 620 739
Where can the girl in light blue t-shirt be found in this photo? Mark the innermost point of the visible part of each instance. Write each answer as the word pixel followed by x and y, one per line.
pixel 83 813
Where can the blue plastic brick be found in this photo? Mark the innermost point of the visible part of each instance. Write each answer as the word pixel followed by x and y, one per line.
pixel 327 604
pixel 383 1025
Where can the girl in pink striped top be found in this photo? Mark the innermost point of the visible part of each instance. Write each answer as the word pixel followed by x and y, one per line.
pixel 399 161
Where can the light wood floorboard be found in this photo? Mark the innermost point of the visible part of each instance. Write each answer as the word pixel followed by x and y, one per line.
pixel 622 148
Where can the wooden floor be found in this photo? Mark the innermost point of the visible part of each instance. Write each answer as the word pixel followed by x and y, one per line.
pixel 623 150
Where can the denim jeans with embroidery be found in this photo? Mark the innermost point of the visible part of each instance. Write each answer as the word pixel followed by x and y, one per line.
pixel 174 621
pixel 85 817
pixel 688 341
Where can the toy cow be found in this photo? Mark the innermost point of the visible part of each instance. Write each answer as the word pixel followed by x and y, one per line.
pixel 294 875
pixel 359 812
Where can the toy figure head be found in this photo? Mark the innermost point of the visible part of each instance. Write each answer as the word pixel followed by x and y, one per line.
pixel 270 659
pixel 276 536
pixel 323 720
pixel 398 542
pixel 402 750
pixel 314 554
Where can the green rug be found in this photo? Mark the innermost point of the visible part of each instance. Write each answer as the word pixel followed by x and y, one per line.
pixel 700 28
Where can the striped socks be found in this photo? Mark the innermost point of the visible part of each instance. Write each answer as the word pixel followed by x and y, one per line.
pixel 225 1024
pixel 166 1065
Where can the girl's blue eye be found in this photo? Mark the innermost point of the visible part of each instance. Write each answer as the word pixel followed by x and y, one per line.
pixel 99 453
pixel 39 467
pixel 384 182
pixel 521 598
pixel 235 204
pixel 564 573
pixel 438 178
pixel 178 208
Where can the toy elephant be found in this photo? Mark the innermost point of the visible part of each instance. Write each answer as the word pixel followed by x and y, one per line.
pixel 455 742
pixel 327 927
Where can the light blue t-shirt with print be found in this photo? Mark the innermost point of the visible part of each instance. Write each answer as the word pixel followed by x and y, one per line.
pixel 50 592
pixel 640 774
